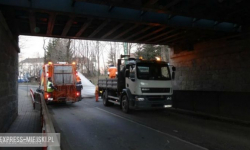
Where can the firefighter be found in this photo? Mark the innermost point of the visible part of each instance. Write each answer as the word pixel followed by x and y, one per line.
pixel 112 71
pixel 96 93
pixel 50 86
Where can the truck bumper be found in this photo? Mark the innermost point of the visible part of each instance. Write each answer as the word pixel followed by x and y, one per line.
pixel 152 103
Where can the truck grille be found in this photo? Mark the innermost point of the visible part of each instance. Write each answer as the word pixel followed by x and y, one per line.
pixel 155 90
pixel 156 98
pixel 157 105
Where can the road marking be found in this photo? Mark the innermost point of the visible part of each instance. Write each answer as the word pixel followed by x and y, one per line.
pixel 174 137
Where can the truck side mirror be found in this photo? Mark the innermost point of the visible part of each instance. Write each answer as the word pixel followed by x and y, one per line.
pixel 173 75
pixel 127 73
pixel 173 72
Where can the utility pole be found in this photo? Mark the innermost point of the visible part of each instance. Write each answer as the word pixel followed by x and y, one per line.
pixel 125 45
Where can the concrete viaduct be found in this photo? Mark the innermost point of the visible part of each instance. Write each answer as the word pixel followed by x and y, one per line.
pixel 209 43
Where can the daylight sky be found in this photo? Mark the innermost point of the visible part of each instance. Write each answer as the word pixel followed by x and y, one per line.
pixel 32 47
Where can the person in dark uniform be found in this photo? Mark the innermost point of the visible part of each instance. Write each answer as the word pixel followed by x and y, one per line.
pixel 79 88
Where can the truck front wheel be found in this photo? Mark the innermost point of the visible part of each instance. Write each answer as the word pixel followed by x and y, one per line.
pixel 125 104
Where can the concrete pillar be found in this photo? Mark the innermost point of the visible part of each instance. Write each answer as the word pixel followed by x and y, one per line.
pixel 214 78
pixel 8 76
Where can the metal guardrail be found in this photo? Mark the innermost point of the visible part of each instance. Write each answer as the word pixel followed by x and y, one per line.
pixel 46 122
pixel 32 98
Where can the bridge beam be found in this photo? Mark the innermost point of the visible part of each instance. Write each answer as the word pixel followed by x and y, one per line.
pixel 51 23
pixel 32 20
pixel 147 35
pixel 113 30
pixel 67 26
pixel 126 31
pixel 83 28
pixel 160 35
pixel 119 13
pixel 137 33
pixel 99 29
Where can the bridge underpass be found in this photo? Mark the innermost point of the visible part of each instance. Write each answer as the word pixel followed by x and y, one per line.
pixel 209 44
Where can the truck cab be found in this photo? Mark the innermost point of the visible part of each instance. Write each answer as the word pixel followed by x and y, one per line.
pixel 141 84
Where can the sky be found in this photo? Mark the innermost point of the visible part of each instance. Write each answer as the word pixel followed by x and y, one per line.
pixel 32 47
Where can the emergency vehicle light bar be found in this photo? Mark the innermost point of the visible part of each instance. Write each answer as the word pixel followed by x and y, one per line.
pixel 158 58
pixel 62 62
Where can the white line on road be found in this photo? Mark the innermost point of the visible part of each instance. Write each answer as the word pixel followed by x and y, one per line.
pixel 153 129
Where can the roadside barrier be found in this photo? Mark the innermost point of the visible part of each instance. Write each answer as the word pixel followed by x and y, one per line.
pixel 46 122
pixel 32 98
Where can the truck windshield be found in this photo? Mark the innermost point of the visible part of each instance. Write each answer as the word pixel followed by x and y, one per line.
pixel 153 71
pixel 63 75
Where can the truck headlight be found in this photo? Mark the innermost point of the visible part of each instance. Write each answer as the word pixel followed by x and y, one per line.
pixel 167 106
pixel 139 99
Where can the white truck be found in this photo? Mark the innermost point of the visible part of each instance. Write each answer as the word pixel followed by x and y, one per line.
pixel 140 84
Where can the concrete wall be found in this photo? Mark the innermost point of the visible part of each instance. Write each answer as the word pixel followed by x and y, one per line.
pixel 214 78
pixel 8 76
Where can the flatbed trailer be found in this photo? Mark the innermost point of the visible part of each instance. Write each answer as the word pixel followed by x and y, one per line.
pixel 131 90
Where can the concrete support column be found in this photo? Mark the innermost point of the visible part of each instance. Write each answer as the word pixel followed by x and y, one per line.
pixel 214 78
pixel 8 76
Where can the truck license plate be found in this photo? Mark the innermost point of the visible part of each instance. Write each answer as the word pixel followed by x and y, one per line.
pixel 167 106
pixel 50 99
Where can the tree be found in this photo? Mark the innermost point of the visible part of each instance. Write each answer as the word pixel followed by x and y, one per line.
pixel 148 51
pixel 68 51
pixel 130 46
pixel 86 56
pixel 51 50
pixel 112 55
pixel 103 49
pixel 98 58
pixel 59 50
pixel 23 40
pixel 44 48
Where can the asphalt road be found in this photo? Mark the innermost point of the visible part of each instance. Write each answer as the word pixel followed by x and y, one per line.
pixel 88 125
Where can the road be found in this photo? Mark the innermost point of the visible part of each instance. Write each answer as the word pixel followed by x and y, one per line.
pixel 89 125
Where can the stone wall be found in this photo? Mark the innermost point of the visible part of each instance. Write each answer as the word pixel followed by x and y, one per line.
pixel 8 77
pixel 214 77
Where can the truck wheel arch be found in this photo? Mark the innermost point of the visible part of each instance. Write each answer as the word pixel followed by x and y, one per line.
pixel 127 93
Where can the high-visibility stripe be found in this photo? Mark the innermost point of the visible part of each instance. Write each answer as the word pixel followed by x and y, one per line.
pixel 49 89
